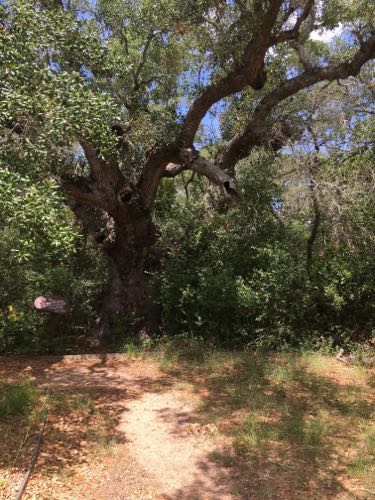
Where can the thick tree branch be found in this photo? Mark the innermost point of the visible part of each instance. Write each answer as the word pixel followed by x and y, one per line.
pixel 302 57
pixel 190 160
pixel 107 176
pixel 253 134
pixel 173 169
pixel 244 75
pixel 248 73
pixel 152 172
pixel 256 131
pixel 217 176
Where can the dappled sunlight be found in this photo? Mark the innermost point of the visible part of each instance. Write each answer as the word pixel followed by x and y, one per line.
pixel 291 426
pixel 208 425
pixel 87 403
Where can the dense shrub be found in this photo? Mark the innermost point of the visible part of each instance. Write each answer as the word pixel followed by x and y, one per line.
pixel 233 275
pixel 241 276
pixel 42 252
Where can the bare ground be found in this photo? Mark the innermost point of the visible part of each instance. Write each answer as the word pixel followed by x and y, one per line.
pixel 237 427
pixel 154 447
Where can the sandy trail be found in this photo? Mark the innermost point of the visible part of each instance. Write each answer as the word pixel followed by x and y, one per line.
pixel 163 454
pixel 160 428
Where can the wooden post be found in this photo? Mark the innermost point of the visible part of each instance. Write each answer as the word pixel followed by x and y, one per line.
pixel 55 306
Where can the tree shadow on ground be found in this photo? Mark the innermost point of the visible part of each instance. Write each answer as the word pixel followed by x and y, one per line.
pixel 282 426
pixel 86 403
pixel 283 429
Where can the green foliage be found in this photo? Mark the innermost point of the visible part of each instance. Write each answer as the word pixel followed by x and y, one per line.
pixel 68 73
pixel 52 104
pixel 42 252
pixel 79 280
pixel 241 276
pixel 16 399
pixel 233 275
pixel 34 213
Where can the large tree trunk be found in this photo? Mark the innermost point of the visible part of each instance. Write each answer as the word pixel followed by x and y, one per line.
pixel 128 306
pixel 127 239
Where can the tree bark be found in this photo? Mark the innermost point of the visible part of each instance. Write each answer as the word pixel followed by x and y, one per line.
pixel 128 308
pixel 125 233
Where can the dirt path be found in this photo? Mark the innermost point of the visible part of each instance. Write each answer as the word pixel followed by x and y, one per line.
pixel 165 439
pixel 160 451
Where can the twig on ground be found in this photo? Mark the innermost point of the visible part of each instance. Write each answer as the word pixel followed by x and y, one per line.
pixel 36 450
pixel 281 464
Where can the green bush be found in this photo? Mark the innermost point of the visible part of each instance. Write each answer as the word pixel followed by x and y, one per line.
pixel 16 399
pixel 240 276
pixel 234 275
pixel 22 329
pixel 42 252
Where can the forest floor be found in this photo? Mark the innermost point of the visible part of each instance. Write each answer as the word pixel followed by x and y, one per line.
pixel 231 426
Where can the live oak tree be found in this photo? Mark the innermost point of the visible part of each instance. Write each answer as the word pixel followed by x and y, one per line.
pixel 110 97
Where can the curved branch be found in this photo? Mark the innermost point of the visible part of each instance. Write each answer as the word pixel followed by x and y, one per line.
pixel 293 33
pixel 173 169
pixel 152 172
pixel 80 190
pixel 217 176
pixel 248 73
pixel 107 175
pixel 302 57
pixel 253 134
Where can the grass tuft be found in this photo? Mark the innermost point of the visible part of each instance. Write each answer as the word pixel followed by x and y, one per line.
pixel 16 399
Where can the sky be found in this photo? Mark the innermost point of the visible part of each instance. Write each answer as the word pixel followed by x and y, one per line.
pixel 327 35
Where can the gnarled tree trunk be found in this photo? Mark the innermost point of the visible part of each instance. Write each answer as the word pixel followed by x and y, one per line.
pixel 114 213
pixel 128 300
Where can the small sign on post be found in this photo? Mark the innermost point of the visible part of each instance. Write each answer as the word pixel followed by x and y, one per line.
pixel 56 306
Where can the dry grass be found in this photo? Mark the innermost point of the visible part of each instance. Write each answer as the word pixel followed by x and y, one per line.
pixel 83 449
pixel 291 426
pixel 287 426
pixel 21 408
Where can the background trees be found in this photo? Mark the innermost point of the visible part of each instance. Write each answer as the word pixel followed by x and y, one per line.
pixel 111 99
